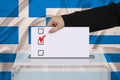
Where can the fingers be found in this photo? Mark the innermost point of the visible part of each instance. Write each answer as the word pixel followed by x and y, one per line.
pixel 55 29
pixel 56 22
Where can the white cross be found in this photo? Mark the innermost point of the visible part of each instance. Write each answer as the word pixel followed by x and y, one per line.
pixel 23 22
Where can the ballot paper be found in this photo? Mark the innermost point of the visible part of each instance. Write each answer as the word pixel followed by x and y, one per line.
pixel 68 42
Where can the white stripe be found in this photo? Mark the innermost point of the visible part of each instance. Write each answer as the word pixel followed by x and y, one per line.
pixel 20 48
pixel 105 48
pixel 6 66
pixel 115 66
pixel 7 48
pixel 25 48
pixel 29 67
pixel 61 11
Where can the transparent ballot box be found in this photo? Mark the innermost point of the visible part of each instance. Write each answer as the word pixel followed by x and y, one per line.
pixel 93 68
pixel 61 73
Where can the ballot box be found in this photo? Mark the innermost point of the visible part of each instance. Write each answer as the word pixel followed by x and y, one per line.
pixel 95 68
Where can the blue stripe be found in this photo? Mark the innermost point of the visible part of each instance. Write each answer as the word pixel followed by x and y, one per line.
pixel 29 35
pixel 112 57
pixel 5 75
pixel 8 8
pixel 37 8
pixel 5 57
pixel 47 20
pixel 115 75
pixel 9 35
pixel 94 39
pixel 105 39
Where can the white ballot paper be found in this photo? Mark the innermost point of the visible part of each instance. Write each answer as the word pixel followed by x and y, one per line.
pixel 69 42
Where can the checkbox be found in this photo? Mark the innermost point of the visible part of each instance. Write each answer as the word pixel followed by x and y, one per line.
pixel 40 31
pixel 40 52
pixel 39 43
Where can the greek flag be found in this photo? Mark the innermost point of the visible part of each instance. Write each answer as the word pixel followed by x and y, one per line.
pixel 16 19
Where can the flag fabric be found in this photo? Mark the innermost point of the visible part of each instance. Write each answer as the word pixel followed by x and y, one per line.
pixel 16 18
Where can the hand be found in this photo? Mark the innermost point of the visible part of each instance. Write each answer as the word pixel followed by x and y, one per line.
pixel 57 22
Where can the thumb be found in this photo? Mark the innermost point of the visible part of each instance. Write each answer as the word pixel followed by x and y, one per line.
pixel 51 22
